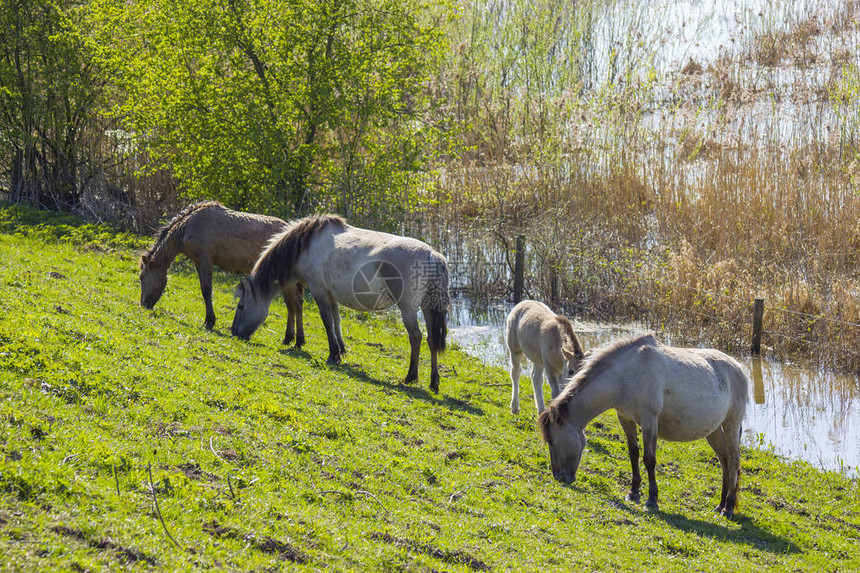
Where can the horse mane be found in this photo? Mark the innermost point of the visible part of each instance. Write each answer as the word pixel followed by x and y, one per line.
pixel 597 363
pixel 168 232
pixel 277 259
pixel 574 340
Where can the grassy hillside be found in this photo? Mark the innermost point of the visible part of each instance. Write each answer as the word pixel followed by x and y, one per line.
pixel 261 457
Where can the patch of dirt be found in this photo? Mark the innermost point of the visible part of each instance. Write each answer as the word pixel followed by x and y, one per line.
pixel 125 554
pixel 284 550
pixel 193 472
pixel 265 544
pixel 453 557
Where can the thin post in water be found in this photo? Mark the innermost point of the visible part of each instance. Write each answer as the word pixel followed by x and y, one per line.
pixel 519 268
pixel 758 315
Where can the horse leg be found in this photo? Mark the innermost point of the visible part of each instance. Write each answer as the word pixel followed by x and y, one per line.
pixel 290 333
pixel 717 441
pixel 516 372
pixel 434 370
pixel 204 274
pixel 335 313
pixel 298 306
pixel 632 435
pixel 295 329
pixel 537 386
pixel 324 305
pixel 649 444
pixel 554 380
pixel 410 321
pixel 554 364
pixel 732 433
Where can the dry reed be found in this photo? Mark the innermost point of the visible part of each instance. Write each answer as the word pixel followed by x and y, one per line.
pixel 673 199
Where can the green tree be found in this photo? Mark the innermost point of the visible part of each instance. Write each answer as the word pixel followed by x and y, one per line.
pixel 272 105
pixel 50 96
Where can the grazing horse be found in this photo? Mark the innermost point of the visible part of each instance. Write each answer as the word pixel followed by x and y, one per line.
pixel 210 234
pixel 362 269
pixel 678 394
pixel 548 340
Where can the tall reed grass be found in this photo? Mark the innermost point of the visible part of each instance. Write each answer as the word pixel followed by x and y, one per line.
pixel 674 195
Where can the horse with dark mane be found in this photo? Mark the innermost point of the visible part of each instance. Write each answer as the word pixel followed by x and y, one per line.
pixel 212 235
pixel 362 269
pixel 677 394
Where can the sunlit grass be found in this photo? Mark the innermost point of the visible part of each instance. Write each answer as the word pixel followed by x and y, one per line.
pixel 263 457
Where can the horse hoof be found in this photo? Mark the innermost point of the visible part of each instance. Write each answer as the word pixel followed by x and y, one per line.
pixel 632 498
pixel 209 325
pixel 652 505
pixel 333 360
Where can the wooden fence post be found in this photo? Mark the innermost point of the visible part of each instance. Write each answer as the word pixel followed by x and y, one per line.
pixel 758 381
pixel 519 268
pixel 758 315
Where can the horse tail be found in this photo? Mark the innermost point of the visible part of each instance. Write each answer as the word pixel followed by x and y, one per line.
pixel 738 481
pixel 436 306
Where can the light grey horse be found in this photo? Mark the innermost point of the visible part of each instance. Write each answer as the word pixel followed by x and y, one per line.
pixel 362 269
pixel 548 340
pixel 677 394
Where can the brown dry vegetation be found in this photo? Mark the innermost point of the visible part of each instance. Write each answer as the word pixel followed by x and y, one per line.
pixel 674 199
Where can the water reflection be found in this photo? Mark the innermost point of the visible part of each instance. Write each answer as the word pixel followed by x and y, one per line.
pixel 801 414
pixel 805 414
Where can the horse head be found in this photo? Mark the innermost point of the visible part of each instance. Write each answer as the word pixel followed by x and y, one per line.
pixel 153 281
pixel 575 359
pixel 251 310
pixel 566 442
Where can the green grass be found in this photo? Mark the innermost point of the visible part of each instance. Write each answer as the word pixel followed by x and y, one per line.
pixel 265 458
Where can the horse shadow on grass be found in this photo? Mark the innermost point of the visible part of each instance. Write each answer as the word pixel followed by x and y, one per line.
pixel 295 352
pixel 748 534
pixel 416 391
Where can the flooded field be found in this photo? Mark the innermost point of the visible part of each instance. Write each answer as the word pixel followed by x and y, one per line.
pixel 800 414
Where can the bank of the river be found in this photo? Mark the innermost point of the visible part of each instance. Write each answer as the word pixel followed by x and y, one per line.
pixel 263 457
pixel 798 412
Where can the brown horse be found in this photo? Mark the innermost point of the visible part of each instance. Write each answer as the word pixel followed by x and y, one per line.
pixel 210 234
pixel 677 394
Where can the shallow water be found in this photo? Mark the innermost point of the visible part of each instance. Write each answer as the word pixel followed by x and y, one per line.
pixel 801 414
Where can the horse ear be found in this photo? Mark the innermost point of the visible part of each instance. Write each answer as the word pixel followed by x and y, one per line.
pixel 543 424
pixel 144 260
pixel 240 289
pixel 559 411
